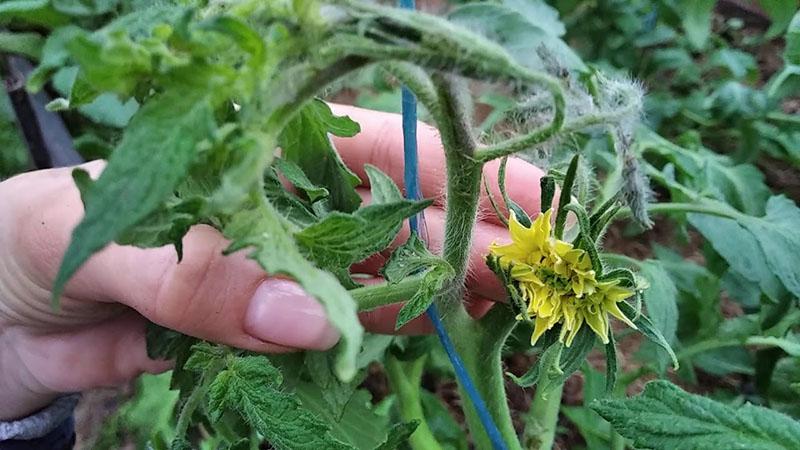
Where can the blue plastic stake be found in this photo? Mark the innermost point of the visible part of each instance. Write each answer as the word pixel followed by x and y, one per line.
pixel 411 181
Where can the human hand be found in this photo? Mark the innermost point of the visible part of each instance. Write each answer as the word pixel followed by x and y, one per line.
pixel 97 338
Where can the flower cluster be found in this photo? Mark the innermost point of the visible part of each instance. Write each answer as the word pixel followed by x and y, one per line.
pixel 557 282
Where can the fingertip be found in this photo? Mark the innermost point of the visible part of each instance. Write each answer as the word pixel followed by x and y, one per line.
pixel 281 312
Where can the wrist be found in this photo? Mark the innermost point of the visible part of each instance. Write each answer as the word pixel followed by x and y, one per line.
pixel 20 394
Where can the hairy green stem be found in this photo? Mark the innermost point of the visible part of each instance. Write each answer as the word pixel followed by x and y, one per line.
pixel 196 398
pixel 544 417
pixel 701 208
pixel 478 342
pixel 405 379
pixel 376 295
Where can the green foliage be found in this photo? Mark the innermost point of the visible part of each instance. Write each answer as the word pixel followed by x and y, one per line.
pixel 665 417
pixel 251 387
pixel 412 258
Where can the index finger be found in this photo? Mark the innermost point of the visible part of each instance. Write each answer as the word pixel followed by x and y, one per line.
pixel 380 143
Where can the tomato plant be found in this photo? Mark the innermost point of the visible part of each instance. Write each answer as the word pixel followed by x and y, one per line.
pixel 189 101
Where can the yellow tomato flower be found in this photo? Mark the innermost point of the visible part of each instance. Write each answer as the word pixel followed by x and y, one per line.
pixel 558 283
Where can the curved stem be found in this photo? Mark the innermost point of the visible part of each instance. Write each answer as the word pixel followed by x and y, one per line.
pixel 702 208
pixel 405 379
pixel 196 399
pixel 544 417
pixel 376 295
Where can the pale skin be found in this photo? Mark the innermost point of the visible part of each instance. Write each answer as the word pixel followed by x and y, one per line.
pixel 97 338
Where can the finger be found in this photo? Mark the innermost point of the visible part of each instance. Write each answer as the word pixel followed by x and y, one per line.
pixel 225 299
pixel 480 278
pixel 222 298
pixel 109 354
pixel 380 143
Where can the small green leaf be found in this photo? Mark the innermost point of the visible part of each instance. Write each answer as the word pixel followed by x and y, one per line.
pixel 649 330
pixel 791 52
pixel 153 157
pixel 295 175
pixel 410 258
pixel 525 28
pixel 433 282
pixel 306 143
pixel 777 233
pixel 398 435
pixel 251 386
pixel 341 239
pixel 664 417
pixel 696 20
pixel 660 299
pixel 558 362
pixel 382 188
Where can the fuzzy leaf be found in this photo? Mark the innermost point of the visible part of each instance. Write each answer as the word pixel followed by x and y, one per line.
pixel 306 143
pixel 432 283
pixel 153 157
pixel 519 27
pixel 649 330
pixel 341 239
pixel 664 417
pixel 661 299
pixel 777 233
pixel 558 362
pixel 408 259
pixel 740 249
pixel 251 386
pixel 295 175
pixel 398 435
pixel 696 20
pixel 382 188
pixel 274 249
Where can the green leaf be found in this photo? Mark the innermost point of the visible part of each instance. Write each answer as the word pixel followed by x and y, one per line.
pixel 305 142
pixel 153 157
pixel 777 234
pixel 295 175
pixel 251 386
pixel 274 249
pixel 737 62
pixel 740 249
pixel 33 12
pixel 84 7
pixel 696 20
pixel 335 393
pixel 410 258
pixel 441 422
pixel 382 188
pixel 593 428
pixel 649 330
pixel 784 388
pixel 433 282
pixel 398 435
pixel 780 13
pixel 54 55
pixel 558 362
pixel 660 299
pixel 341 239
pixel 26 44
pixel 791 52
pixel 664 417
pixel 522 27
